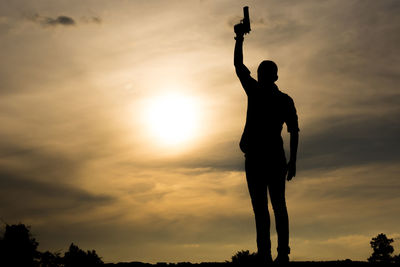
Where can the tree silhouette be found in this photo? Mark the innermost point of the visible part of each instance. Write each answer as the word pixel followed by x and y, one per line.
pixel 396 259
pixel 76 257
pixel 18 247
pixel 382 249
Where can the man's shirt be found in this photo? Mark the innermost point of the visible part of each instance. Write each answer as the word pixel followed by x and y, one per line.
pixel 267 110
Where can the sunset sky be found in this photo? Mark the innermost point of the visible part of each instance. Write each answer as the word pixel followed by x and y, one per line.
pixel 89 153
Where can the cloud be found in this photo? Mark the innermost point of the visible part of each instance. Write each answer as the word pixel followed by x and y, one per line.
pixel 25 160
pixel 63 20
pixel 93 19
pixel 340 141
pixel 37 182
pixel 60 20
pixel 27 198
pixel 353 200
pixel 49 21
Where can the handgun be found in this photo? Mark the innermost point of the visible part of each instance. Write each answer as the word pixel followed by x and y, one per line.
pixel 244 25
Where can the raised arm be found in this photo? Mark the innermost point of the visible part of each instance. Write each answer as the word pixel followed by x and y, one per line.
pixel 238 54
pixel 241 70
pixel 241 29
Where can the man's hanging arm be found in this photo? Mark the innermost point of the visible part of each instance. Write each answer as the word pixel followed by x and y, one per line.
pixel 292 124
pixel 294 141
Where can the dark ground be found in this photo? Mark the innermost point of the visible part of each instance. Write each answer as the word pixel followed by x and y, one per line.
pixel 228 264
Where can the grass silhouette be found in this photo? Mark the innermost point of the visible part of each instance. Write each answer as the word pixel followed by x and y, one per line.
pixel 19 248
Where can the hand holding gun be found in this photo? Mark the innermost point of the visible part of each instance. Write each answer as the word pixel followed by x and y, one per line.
pixel 244 26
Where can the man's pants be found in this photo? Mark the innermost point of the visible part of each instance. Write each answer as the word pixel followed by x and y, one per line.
pixel 264 174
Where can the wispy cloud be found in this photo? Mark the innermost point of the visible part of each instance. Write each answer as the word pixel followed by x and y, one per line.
pixel 63 20
pixel 53 21
pixel 60 20
pixel 93 19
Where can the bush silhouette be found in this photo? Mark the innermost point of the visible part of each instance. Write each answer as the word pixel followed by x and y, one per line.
pixel 244 257
pixel 382 249
pixel 76 257
pixel 18 247
pixel 48 259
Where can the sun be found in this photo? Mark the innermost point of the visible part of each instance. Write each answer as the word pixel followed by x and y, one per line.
pixel 172 118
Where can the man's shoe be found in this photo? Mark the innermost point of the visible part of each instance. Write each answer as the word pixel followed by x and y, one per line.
pixel 282 259
pixel 265 259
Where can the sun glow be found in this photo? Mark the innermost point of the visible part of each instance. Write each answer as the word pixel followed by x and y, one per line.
pixel 172 118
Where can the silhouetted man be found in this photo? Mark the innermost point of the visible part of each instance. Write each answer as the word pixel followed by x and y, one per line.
pixel 265 161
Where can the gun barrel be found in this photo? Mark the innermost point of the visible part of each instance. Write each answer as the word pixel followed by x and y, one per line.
pixel 246 19
pixel 246 12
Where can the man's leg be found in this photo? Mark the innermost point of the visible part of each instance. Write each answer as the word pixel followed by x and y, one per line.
pixel 277 195
pixel 259 199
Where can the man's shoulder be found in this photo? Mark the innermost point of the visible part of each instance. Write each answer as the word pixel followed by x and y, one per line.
pixel 284 96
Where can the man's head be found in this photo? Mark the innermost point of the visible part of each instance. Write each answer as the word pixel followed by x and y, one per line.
pixel 267 72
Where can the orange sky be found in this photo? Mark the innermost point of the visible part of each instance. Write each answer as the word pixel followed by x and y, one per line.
pixel 83 152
